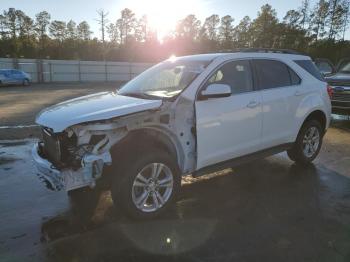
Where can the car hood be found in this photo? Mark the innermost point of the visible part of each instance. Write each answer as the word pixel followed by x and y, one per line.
pixel 100 106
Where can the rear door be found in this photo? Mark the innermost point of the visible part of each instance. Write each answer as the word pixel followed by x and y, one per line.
pixel 229 127
pixel 280 98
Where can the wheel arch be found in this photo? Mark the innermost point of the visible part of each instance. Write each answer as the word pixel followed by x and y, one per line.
pixel 318 115
pixel 148 137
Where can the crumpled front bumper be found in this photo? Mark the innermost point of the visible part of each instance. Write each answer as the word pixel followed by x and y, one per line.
pixel 69 179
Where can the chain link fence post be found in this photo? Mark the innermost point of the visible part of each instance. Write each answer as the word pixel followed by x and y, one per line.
pixel 106 72
pixel 130 70
pixel 79 71
pixel 15 63
pixel 50 68
pixel 39 69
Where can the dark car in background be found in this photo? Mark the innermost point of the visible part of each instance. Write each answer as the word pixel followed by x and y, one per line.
pixel 14 77
pixel 338 79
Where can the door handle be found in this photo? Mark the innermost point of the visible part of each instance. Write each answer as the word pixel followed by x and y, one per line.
pixel 253 104
pixel 298 93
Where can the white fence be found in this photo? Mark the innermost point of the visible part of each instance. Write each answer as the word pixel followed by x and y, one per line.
pixel 74 71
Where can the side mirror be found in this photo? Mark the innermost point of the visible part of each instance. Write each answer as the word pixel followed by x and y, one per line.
pixel 215 91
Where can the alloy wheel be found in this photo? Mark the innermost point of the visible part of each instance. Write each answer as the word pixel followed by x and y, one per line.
pixel 152 187
pixel 311 141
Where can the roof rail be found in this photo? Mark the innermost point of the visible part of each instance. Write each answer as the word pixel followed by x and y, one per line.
pixel 262 50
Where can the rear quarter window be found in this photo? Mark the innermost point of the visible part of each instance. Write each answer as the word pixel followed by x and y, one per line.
pixel 310 67
pixel 295 79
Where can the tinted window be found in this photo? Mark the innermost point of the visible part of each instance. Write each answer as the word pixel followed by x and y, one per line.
pixel 344 67
pixel 272 74
pixel 16 72
pixel 309 66
pixel 295 79
pixel 236 74
pixel 324 67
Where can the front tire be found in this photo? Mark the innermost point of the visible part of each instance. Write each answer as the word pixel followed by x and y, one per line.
pixel 308 143
pixel 26 82
pixel 147 184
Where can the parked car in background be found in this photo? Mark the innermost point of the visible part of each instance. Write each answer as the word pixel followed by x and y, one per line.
pixel 188 115
pixel 14 77
pixel 338 79
pixel 325 66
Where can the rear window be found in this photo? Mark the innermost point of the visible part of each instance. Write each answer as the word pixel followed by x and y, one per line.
pixel 309 66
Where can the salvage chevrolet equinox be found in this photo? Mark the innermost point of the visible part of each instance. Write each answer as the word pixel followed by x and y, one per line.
pixel 186 115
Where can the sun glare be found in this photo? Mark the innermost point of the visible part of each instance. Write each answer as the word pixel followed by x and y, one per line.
pixel 172 58
pixel 164 14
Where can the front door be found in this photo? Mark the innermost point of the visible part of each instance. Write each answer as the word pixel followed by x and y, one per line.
pixel 229 127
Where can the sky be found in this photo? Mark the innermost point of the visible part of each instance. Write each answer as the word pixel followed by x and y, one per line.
pixel 162 14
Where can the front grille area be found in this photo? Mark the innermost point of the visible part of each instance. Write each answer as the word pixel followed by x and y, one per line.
pixel 51 148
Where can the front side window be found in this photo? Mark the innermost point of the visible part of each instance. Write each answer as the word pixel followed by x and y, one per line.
pixel 272 74
pixel 164 80
pixel 236 74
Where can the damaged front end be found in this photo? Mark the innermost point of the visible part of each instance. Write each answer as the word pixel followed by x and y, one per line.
pixel 71 157
pixel 75 157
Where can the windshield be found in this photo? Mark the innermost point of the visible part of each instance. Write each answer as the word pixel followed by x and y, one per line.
pixel 164 80
pixel 345 67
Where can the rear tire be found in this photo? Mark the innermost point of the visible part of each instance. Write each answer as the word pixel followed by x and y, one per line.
pixel 147 184
pixel 308 143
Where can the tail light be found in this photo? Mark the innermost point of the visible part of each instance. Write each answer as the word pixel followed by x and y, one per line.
pixel 330 91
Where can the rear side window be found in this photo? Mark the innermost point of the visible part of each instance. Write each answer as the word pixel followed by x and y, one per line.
pixel 309 66
pixel 272 74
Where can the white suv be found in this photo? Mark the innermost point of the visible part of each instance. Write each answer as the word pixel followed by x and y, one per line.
pixel 186 115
